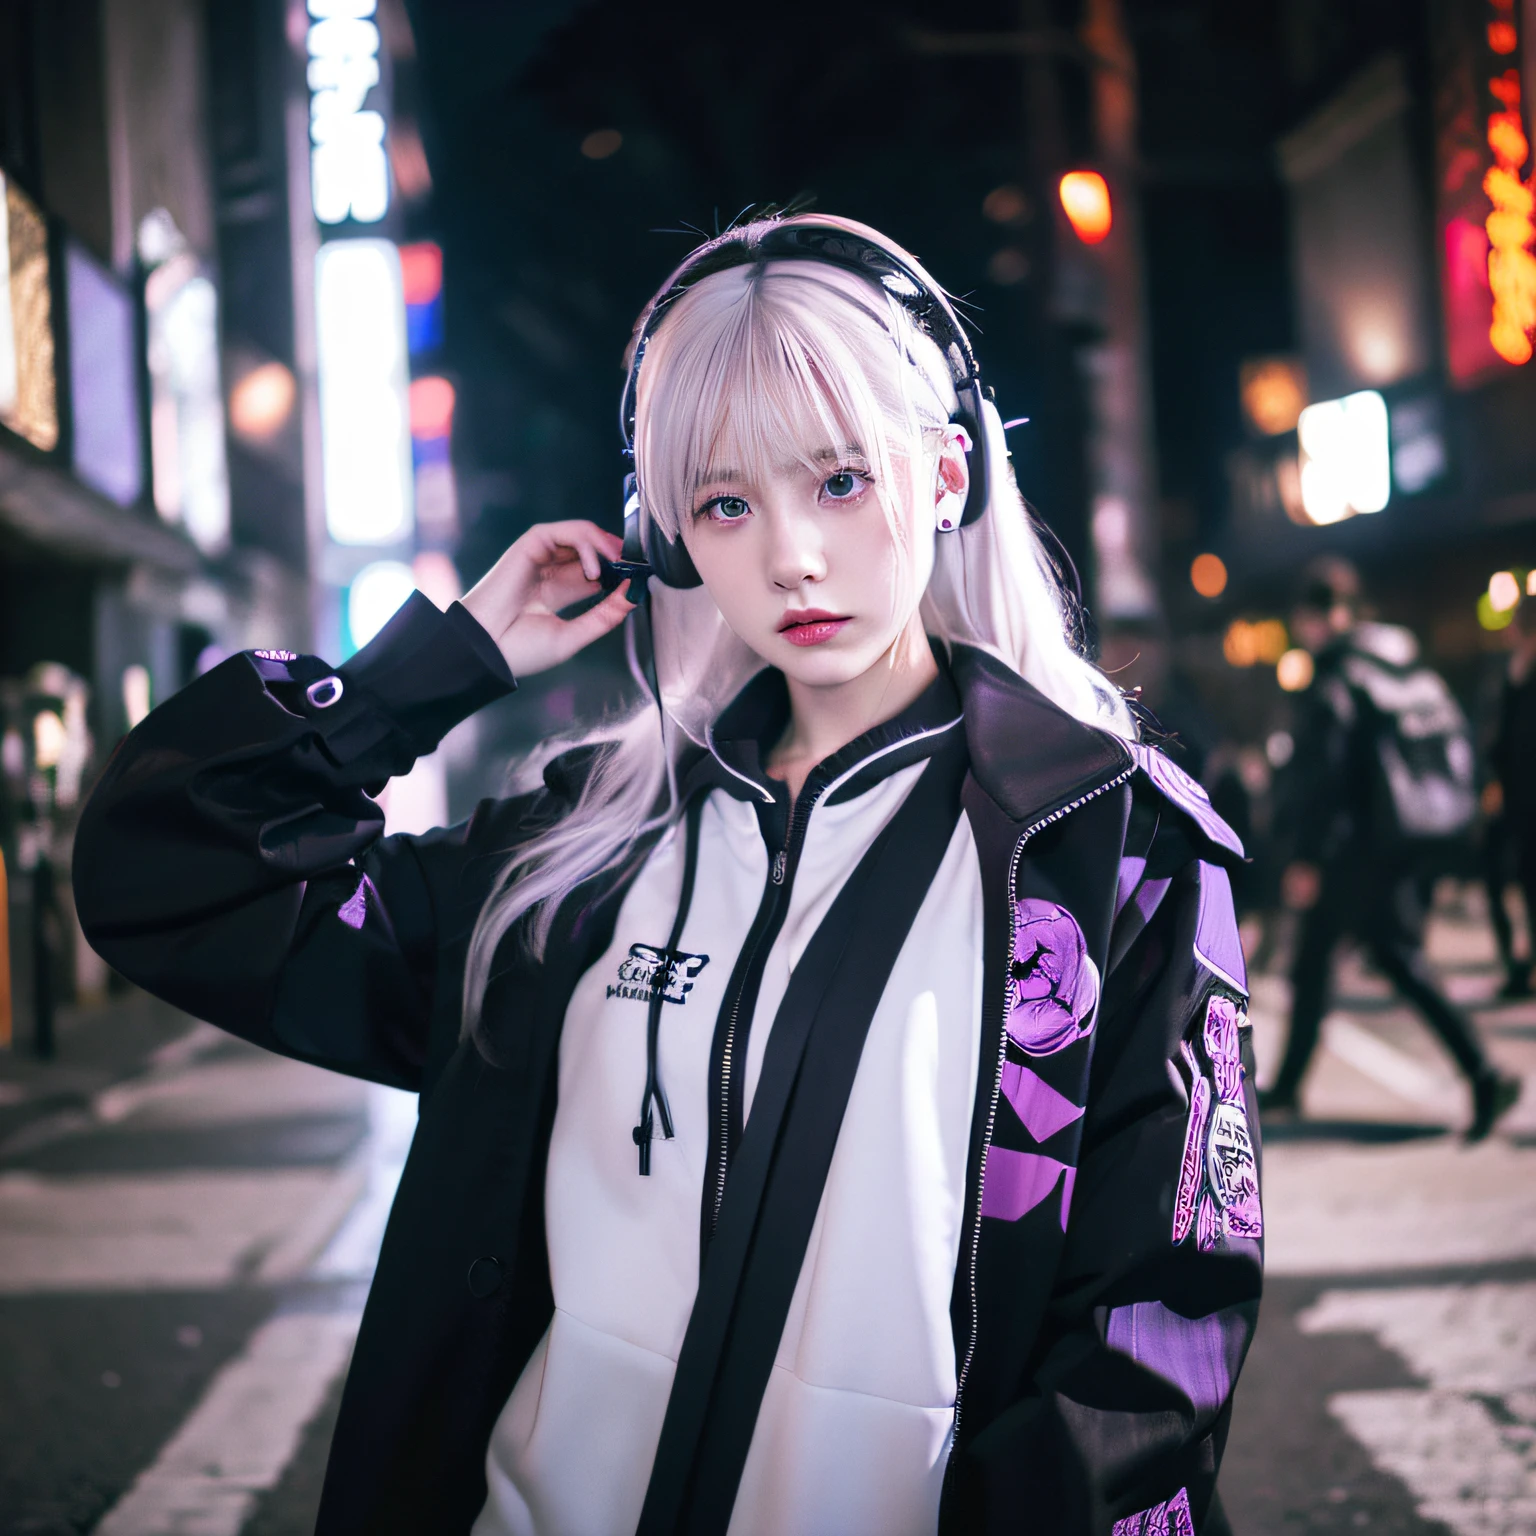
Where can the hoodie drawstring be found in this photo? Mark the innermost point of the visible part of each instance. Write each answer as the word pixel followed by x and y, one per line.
pixel 643 1132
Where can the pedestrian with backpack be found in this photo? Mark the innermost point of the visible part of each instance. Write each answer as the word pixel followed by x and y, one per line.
pixel 1383 776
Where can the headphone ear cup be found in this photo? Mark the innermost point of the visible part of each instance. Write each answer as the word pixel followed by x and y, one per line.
pixel 671 561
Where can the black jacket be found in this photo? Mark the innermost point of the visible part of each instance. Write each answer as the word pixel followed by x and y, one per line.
pixel 230 861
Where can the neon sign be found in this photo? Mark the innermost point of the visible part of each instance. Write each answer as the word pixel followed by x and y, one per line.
pixel 349 169
pixel 363 402
pixel 1511 264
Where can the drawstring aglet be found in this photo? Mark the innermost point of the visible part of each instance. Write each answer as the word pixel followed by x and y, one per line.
pixel 642 1133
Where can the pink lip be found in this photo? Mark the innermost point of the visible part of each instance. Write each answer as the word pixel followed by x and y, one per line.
pixel 811 626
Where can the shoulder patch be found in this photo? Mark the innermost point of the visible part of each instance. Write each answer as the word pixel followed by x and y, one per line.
pixel 1187 794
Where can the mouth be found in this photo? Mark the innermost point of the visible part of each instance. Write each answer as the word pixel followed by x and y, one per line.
pixel 811 626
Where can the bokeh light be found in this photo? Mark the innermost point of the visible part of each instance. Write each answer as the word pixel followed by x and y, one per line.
pixel 1085 199
pixel 1208 575
pixel 262 401
pixel 602 143
pixel 432 401
pixel 1294 670
pixel 1503 591
pixel 376 593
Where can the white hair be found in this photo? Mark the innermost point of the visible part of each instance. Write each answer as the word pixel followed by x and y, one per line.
pixel 751 365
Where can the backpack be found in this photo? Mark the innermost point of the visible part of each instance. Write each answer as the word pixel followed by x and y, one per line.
pixel 1419 740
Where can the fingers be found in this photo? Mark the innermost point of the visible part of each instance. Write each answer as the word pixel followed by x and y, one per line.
pixel 563 543
pixel 540 641
pixel 563 584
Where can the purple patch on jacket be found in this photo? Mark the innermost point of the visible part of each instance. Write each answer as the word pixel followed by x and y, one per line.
pixel 1223 1046
pixel 1187 794
pixel 1169 1519
pixel 1199 1355
pixel 1036 1103
pixel 1217 945
pixel 354 910
pixel 1218 1190
pixel 1054 986
pixel 1016 1182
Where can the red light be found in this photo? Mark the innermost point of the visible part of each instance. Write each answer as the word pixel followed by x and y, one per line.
pixel 431 407
pixel 421 271
pixel 1085 198
pixel 1502 37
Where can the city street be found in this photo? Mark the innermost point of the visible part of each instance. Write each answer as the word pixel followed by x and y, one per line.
pixel 187 1227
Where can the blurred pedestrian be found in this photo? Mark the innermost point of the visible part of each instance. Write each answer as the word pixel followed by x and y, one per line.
pixel 1383 773
pixel 1511 794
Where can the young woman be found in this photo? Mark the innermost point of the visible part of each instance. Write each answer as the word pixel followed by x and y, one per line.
pixel 835 1086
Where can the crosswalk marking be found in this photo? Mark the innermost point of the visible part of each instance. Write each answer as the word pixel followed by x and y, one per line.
pixel 1395 1070
pixel 1464 1444
pixel 242 1434
pixel 1337 1209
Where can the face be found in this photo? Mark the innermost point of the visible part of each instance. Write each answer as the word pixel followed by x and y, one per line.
pixel 803 563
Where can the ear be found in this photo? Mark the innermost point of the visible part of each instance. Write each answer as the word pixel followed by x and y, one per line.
pixel 953 479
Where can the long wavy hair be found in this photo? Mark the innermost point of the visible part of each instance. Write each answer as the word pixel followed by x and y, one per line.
pixel 750 366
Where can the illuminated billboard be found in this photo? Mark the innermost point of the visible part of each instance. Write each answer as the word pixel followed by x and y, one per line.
pixel 186 412
pixel 364 411
pixel 28 402
pixel 106 426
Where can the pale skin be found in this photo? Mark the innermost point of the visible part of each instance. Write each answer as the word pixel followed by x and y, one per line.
pixel 800 540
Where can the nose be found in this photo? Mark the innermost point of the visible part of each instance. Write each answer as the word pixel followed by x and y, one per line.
pixel 796 552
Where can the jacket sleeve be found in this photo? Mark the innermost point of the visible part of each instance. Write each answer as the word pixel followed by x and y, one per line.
pixel 230 859
pixel 1156 1296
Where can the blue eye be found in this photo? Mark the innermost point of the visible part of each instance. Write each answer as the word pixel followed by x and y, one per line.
pixel 844 485
pixel 725 509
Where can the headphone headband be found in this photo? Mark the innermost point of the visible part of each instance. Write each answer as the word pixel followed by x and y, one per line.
pixel 832 245
pixel 804 239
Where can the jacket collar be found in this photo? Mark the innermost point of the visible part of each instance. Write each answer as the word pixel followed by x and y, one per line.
pixel 1029 755
pixel 750 725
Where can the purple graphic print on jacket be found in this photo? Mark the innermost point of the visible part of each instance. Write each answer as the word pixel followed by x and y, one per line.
pixel 1040 1107
pixel 354 910
pixel 1055 984
pixel 1016 1182
pixel 1218 1192
pixel 1169 1519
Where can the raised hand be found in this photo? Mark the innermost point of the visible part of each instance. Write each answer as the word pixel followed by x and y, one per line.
pixel 552 566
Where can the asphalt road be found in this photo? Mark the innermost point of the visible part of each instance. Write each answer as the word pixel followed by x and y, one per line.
pixel 187 1228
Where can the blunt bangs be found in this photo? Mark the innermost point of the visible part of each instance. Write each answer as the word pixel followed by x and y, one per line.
pixel 761 367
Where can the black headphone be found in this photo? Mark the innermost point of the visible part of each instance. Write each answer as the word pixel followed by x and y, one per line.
pixel 653 554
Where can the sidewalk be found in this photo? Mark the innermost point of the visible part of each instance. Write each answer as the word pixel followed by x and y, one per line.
pixel 97 1045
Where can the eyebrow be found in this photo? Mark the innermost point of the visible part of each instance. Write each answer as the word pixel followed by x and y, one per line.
pixel 828 455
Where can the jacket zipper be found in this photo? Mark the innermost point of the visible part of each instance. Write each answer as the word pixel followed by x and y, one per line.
pixel 778 876
pixel 992 1102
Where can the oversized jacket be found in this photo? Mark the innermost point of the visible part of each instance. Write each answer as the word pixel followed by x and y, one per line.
pixel 231 861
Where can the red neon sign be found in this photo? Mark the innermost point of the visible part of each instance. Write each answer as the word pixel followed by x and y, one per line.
pixel 1509 227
